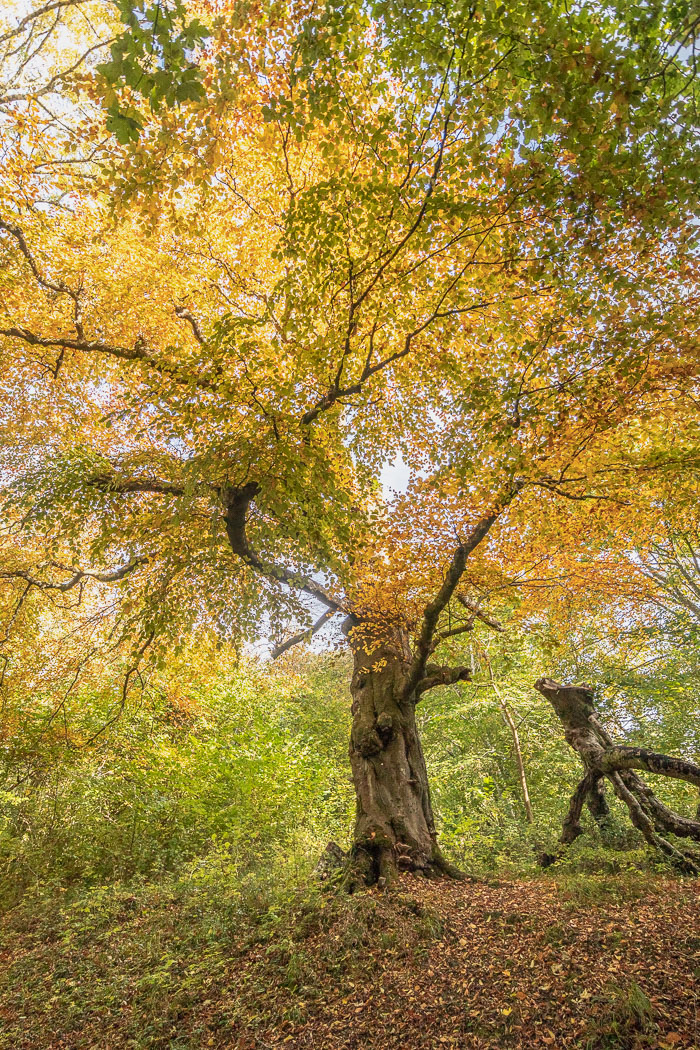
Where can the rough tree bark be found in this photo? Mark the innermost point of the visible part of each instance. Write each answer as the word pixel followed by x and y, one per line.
pixel 604 760
pixel 394 826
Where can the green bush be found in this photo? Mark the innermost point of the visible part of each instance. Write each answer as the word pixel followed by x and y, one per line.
pixel 254 768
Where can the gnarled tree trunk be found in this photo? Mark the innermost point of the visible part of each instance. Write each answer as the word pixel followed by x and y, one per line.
pixel 394 826
pixel 603 759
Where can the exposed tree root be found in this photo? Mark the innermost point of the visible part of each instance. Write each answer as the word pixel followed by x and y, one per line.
pixel 371 865
pixel 604 760
pixel 443 867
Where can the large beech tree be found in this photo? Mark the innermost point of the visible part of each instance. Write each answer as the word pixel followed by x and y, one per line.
pixel 335 239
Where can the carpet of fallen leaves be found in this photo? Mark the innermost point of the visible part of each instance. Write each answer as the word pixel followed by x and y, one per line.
pixel 514 966
pixel 432 965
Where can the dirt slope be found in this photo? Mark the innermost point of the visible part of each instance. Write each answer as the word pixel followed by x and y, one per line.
pixel 598 964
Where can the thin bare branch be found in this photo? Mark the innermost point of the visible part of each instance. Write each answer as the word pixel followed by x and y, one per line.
pixel 45 9
pixel 303 636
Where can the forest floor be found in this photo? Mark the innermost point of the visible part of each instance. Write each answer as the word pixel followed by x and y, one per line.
pixel 591 963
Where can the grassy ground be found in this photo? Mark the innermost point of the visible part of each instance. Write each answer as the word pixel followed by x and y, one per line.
pixel 595 962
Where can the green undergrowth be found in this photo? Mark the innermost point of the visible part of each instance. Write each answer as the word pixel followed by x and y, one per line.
pixel 254 765
pixel 626 1020
pixel 148 964
pixel 157 889
pixel 254 761
pixel 134 957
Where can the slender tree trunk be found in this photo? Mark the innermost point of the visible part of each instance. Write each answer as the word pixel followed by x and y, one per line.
pixel 517 750
pixel 394 826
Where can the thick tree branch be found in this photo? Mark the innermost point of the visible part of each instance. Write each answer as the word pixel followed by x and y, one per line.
pixel 439 674
pixel 125 353
pixel 666 818
pixel 237 500
pixel 462 628
pixel 643 822
pixel 571 828
pixel 619 758
pixel 450 583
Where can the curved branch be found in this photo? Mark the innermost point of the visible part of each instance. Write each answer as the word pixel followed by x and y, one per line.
pixel 237 500
pixel 113 576
pixel 60 287
pixel 576 496
pixel 439 674
pixel 336 392
pixel 48 87
pixel 462 628
pixel 132 670
pixel 186 315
